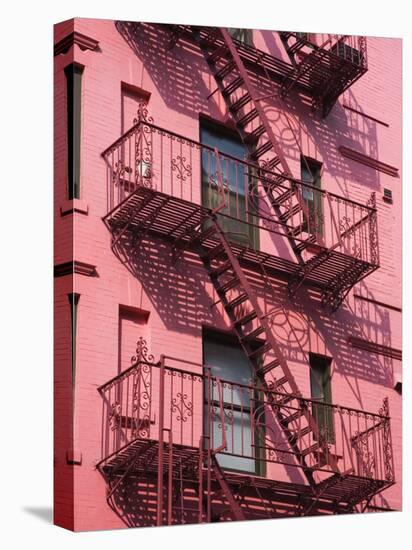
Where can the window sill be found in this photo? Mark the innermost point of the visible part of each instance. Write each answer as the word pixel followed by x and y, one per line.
pixel 74 456
pixel 74 205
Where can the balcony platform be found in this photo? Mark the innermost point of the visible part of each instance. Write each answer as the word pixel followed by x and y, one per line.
pixel 347 490
pixel 322 74
pixel 157 214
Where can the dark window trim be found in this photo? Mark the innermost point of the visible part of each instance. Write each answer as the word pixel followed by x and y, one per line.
pixel 320 412
pixel 74 74
pixel 74 302
pixel 229 130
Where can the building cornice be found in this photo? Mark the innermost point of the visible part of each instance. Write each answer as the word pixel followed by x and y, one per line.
pixel 80 268
pixel 84 42
pixel 373 347
pixel 369 161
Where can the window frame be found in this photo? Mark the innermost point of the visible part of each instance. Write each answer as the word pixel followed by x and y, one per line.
pixel 258 452
pixel 251 219
pixel 74 89
pixel 326 413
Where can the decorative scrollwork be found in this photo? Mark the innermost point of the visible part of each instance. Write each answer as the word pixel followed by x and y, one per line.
pixel 362 50
pixel 345 224
pixel 120 169
pixel 183 169
pixel 387 442
pixel 373 231
pixel 182 407
pixel 356 251
pixel 114 416
pixel 143 114
pixel 142 353
pixel 366 459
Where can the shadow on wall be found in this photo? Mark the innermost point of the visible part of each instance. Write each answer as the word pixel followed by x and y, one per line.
pixel 135 503
pixel 179 294
pixel 178 76
pixel 330 333
pixel 176 290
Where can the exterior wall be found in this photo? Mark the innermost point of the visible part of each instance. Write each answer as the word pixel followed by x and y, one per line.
pixel 174 300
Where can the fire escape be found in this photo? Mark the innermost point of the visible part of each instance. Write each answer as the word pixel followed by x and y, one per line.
pixel 331 248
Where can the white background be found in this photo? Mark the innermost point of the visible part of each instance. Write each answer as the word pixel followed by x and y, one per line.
pixel 26 272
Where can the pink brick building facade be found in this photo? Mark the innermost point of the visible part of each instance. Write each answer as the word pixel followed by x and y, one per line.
pixel 130 265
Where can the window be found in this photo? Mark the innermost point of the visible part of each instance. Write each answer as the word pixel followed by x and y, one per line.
pixel 74 302
pixel 321 392
pixel 311 173
pixel 131 98
pixel 243 35
pixel 133 324
pixel 227 361
pixel 237 214
pixel 74 74
pixel 344 51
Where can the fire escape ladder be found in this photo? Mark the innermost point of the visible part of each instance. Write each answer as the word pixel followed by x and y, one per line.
pixel 243 309
pixel 255 130
pixel 234 505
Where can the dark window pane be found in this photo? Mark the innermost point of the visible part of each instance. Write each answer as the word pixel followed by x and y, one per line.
pixel 243 35
pixel 321 392
pixel 311 173
pixel 236 180
pixel 74 92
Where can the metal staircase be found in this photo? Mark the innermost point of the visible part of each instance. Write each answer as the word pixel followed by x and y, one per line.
pixel 245 106
pixel 258 340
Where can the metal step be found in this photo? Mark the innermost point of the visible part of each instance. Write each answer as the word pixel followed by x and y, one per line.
pixel 217 54
pixel 246 319
pixel 229 285
pixel 284 400
pixel 287 420
pixel 279 383
pixel 290 212
pixel 237 301
pixel 253 335
pixel 248 117
pixel 304 431
pixel 313 448
pixel 301 246
pixel 301 228
pixel 267 146
pixel 241 102
pixel 214 252
pixel 253 136
pixel 224 71
pixel 233 86
pixel 260 350
pixel 273 163
pixel 269 367
pixel 283 197
pixel 222 268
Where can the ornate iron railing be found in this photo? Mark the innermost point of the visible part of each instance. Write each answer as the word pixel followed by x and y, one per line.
pixel 346 47
pixel 164 161
pixel 240 421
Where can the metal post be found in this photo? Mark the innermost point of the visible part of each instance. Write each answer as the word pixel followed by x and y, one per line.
pixel 201 480
pixel 161 450
pixel 170 481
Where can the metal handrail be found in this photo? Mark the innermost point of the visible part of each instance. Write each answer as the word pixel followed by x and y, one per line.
pixel 219 380
pixel 264 173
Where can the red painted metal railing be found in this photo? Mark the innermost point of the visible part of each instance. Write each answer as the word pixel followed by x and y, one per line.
pixel 346 47
pixel 164 161
pixel 183 399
